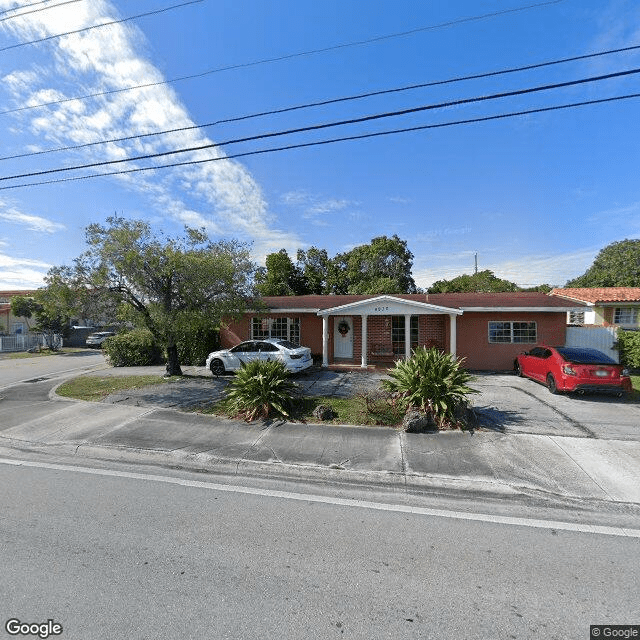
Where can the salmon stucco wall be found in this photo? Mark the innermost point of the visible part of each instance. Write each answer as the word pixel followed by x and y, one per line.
pixel 473 338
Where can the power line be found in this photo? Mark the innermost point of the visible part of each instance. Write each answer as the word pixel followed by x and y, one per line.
pixel 330 141
pixel 51 6
pixel 327 125
pixel 285 57
pixel 326 102
pixel 103 24
pixel 23 6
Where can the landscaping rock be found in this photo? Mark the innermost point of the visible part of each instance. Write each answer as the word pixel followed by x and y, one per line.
pixel 416 422
pixel 324 412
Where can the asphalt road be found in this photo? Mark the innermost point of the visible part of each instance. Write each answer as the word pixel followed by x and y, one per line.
pixel 13 371
pixel 131 556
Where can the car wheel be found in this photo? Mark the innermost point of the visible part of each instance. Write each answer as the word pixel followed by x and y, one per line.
pixel 518 369
pixel 551 384
pixel 217 367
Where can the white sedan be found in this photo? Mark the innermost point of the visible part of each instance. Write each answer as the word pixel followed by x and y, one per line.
pixel 294 358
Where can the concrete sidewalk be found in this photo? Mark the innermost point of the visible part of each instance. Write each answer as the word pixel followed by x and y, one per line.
pixel 500 464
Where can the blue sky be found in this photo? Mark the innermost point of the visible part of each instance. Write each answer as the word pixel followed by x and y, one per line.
pixel 535 196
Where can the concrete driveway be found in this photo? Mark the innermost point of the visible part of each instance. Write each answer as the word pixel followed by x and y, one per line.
pixel 510 404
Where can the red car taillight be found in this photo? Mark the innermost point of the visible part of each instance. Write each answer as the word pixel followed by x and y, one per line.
pixel 569 370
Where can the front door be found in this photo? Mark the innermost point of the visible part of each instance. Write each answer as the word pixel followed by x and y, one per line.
pixel 343 337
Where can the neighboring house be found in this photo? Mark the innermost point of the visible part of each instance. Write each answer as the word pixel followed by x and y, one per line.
pixel 606 306
pixel 487 329
pixel 9 323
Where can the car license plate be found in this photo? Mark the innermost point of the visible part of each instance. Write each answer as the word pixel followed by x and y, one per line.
pixel 602 374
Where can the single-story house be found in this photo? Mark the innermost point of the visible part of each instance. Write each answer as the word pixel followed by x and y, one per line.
pixel 605 306
pixel 487 329
pixel 9 323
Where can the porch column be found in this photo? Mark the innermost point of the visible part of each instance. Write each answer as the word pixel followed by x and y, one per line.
pixel 407 337
pixel 452 334
pixel 325 340
pixel 364 342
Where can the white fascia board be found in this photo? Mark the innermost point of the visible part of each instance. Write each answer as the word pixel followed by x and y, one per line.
pixel 521 309
pixel 619 303
pixel 380 300
pixel 287 310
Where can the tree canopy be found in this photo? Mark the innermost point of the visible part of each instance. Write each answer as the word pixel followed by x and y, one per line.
pixel 382 266
pixel 482 281
pixel 280 277
pixel 617 265
pixel 51 318
pixel 162 283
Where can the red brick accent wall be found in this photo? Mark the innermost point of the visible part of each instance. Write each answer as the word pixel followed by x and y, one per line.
pixel 433 331
pixel 473 338
pixel 379 337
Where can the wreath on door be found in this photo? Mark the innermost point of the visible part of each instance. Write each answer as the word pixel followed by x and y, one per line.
pixel 343 328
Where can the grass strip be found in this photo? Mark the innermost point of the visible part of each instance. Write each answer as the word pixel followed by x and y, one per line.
pixel 97 388
pixel 21 355
pixel 349 411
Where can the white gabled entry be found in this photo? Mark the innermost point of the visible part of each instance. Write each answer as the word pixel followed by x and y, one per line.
pixel 380 306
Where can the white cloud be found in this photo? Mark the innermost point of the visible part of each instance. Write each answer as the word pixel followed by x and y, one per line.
pixel 526 271
pixel 222 195
pixel 33 223
pixel 21 273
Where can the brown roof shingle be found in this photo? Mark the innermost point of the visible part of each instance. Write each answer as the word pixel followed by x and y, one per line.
pixel 451 300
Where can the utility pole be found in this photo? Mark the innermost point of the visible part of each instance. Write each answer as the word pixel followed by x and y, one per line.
pixel 476 259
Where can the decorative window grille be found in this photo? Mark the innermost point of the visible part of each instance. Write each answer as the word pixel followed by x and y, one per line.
pixel 576 317
pixel 281 328
pixel 512 332
pixel 398 334
pixel 625 315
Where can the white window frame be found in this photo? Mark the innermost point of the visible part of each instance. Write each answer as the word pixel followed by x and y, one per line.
pixel 513 332
pixel 17 328
pixel 282 328
pixel 625 315
pixel 576 317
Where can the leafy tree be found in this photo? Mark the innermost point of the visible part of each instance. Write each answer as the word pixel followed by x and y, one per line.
pixel 280 277
pixel 23 307
pixel 483 281
pixel 383 266
pixel 543 288
pixel 161 283
pixel 617 265
pixel 314 264
pixel 52 319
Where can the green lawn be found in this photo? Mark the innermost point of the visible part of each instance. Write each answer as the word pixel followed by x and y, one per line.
pixel 350 411
pixel 97 388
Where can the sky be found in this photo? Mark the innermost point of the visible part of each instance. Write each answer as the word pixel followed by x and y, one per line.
pixel 535 196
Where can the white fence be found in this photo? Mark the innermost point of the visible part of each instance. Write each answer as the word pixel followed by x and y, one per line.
pixel 21 342
pixel 600 338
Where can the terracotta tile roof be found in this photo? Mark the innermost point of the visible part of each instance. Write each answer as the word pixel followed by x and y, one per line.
pixel 450 300
pixel 601 294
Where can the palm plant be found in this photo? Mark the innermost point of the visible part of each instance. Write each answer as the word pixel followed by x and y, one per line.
pixel 431 381
pixel 261 389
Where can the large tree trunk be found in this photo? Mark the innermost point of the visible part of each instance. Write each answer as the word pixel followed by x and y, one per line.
pixel 173 362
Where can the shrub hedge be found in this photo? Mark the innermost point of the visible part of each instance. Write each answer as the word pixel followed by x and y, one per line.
pixel 135 348
pixel 629 348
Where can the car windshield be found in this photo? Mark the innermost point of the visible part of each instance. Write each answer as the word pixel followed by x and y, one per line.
pixel 585 356
pixel 287 345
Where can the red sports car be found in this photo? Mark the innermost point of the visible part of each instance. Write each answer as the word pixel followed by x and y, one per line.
pixel 573 369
